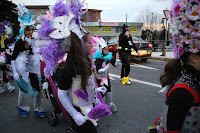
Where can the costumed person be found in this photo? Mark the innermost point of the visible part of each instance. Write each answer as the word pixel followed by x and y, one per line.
pixel 5 29
pixel 4 69
pixel 126 46
pixel 102 59
pixel 77 91
pixel 26 65
pixel 181 78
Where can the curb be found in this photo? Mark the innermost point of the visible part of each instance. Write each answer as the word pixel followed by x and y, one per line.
pixel 161 58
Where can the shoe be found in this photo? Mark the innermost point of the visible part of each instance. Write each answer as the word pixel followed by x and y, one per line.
pixel 40 114
pixel 2 90
pixel 113 107
pixel 128 82
pixel 162 55
pixel 11 89
pixel 22 112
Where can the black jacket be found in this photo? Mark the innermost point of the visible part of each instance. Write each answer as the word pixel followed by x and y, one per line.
pixel 162 35
pixel 123 42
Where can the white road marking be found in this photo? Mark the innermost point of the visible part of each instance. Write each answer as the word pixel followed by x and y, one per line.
pixel 138 81
pixel 141 66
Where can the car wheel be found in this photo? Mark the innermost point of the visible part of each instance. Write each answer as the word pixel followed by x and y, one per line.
pixel 144 59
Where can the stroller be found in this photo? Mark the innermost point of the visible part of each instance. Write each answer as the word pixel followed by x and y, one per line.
pixel 51 93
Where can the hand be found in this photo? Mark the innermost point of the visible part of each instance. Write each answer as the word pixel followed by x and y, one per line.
pixel 16 76
pixel 138 53
pixel 104 70
pixel 117 62
pixel 79 119
pixel 101 89
pixel 45 85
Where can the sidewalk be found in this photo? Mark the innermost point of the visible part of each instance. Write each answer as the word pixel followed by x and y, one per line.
pixel 156 56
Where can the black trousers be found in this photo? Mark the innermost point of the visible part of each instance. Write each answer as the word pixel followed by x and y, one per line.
pixel 125 70
pixel 4 69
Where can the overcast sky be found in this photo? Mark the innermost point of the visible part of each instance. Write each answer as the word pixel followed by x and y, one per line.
pixel 115 10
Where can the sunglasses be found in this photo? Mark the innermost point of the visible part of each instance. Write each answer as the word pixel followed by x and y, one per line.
pixel 29 29
pixel 105 49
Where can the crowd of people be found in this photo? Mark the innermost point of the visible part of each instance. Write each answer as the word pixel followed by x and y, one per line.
pixel 83 80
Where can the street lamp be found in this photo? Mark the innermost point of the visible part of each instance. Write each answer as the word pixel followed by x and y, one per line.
pixel 166 13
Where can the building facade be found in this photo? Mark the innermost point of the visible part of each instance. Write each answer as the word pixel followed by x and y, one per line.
pixel 92 15
pixel 38 10
pixel 111 29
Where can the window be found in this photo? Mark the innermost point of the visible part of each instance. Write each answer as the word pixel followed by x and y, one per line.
pixel 119 29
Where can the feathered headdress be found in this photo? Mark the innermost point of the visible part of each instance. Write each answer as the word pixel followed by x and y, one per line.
pixel 98 43
pixel 24 17
pixel 6 28
pixel 185 26
pixel 66 18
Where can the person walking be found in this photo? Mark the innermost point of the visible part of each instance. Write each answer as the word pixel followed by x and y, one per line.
pixel 162 40
pixel 25 64
pixel 126 46
pixel 102 60
pixel 77 91
pixel 181 78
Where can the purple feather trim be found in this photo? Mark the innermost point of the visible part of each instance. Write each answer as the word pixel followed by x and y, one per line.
pixel 77 10
pixel 46 28
pixel 99 111
pixel 51 53
pixel 82 94
pixel 100 98
pixel 60 9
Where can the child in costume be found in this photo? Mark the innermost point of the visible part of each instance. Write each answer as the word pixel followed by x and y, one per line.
pixel 5 29
pixel 4 68
pixel 26 65
pixel 181 78
pixel 77 91
pixel 102 59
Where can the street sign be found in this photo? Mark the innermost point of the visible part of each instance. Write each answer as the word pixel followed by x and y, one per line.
pixel 166 13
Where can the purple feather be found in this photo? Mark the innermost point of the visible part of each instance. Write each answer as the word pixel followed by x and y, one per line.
pixel 83 95
pixel 51 53
pixel 60 9
pixel 100 98
pixel 46 28
pixel 99 111
pixel 76 10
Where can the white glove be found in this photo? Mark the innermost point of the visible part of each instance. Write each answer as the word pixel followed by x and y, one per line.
pixel 103 70
pixel 45 85
pixel 79 119
pixel 77 116
pixel 101 89
pixel 16 76
pixel 117 62
pixel 14 69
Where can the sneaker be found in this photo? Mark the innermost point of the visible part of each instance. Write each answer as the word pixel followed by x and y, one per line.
pixel 128 82
pixel 113 107
pixel 2 90
pixel 11 89
pixel 22 112
pixel 40 114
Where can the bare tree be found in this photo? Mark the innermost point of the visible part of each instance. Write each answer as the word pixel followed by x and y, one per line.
pixel 149 18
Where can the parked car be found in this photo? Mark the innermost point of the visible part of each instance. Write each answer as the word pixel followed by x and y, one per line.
pixel 144 47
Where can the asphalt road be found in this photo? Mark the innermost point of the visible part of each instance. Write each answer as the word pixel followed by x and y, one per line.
pixel 138 105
